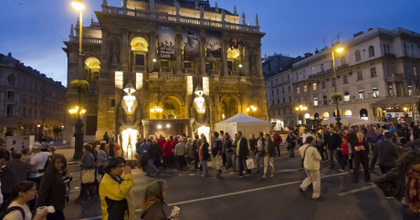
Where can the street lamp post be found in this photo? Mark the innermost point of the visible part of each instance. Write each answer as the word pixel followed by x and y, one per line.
pixel 75 113
pixel 337 114
pixel 251 109
pixel 301 109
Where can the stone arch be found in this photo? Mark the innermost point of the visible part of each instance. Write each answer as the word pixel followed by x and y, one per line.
pixel 230 105
pixel 139 44
pixel 172 105
pixel 325 115
pixel 348 113
pixel 93 68
pixel 180 100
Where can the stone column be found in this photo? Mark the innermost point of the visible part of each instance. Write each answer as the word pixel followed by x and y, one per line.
pixel 178 52
pixel 124 50
pixel 259 64
pixel 202 52
pixel 245 60
pixel 224 64
pixel 152 50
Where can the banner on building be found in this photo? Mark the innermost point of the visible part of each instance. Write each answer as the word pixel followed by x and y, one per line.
pixel 166 36
pixel 191 44
pixel 213 46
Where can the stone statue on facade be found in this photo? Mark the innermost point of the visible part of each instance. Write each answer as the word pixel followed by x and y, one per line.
pixel 152 5
pixel 223 15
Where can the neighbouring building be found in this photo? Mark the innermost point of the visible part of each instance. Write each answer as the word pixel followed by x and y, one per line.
pixel 30 102
pixel 377 75
pixel 166 67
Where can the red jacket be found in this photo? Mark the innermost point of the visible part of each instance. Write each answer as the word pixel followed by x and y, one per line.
pixel 344 148
pixel 175 142
pixel 277 138
pixel 161 142
pixel 167 149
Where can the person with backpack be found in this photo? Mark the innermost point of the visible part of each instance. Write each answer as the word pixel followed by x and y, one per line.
pixel 37 167
pixel 204 154
pixel 217 152
pixel 18 210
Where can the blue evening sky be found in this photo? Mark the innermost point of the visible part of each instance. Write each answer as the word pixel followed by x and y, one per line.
pixel 292 27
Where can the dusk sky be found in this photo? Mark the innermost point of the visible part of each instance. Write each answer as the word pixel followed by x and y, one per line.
pixel 292 27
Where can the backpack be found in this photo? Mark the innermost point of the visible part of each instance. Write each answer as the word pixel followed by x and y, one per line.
pixel 11 209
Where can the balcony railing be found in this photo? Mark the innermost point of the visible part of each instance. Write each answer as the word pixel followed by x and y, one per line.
pixel 166 70
pixel 394 77
pixel 172 77
pixel 140 68
pixel 190 71
pixel 175 18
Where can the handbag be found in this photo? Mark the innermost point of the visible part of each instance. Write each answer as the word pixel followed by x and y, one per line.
pixel 250 163
pixel 88 176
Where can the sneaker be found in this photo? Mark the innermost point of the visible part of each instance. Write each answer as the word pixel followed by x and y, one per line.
pixel 300 190
pixel 341 170
pixel 319 198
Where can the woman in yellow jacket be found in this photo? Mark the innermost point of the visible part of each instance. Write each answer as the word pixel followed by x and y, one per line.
pixel 117 200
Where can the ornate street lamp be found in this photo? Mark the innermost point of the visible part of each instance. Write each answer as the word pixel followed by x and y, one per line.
pixel 301 109
pixel 336 96
pixel 75 113
pixel 156 110
pixel 251 109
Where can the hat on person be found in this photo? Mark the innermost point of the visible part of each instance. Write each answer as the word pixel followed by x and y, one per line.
pixel 345 137
pixel 36 146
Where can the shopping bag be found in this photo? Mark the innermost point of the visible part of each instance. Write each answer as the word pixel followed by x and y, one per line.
pixel 250 164
pixel 88 176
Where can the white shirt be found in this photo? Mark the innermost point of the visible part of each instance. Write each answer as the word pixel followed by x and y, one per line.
pixel 259 145
pixel 305 135
pixel 38 162
pixel 17 215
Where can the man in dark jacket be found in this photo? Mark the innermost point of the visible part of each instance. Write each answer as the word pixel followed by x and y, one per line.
pixel 217 153
pixel 154 153
pixel 333 142
pixel 242 152
pixel 387 153
pixel 376 138
pixel 353 141
pixel 16 171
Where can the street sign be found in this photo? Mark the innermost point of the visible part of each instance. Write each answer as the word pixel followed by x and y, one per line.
pixel 388 115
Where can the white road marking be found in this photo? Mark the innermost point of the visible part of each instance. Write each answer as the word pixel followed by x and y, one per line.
pixel 228 194
pixel 357 190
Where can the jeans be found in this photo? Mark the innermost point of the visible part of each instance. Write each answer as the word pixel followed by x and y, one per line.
pixel 332 153
pixel 314 178
pixel 268 161
pixel 203 164
pixel 180 162
pixel 167 161
pixel 216 161
pixel 235 162
pixel 277 147
pixel 343 161
pixel 151 165
pixel 292 151
pixel 385 169
pixel 229 160
pixel 407 214
pixel 258 158
pixel 364 160
pixel 241 165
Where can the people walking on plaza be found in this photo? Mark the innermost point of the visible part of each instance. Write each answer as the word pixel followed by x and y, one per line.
pixel 196 146
pixel 217 153
pixel 167 153
pixel 259 149
pixel 311 163
pixel 291 144
pixel 242 153
pixel 400 140
pixel 277 141
pixel 204 154
pixel 320 145
pixel 402 183
pixel 180 152
pixel 387 153
pixel 15 171
pixel 344 152
pixel 154 153
pixel 102 159
pixel 24 192
pixel 252 142
pixel 377 138
pixel 361 156
pixel 115 191
pixel 153 202
pixel 333 143
pixel 106 137
pixel 141 150
pixel 268 153
pixel 227 146
pixel 112 148
pixel 414 135
pixel 189 157
pixel 53 188
pixel 87 163
pixel 37 166
pixel 352 139
pixel 222 137
pixel 306 133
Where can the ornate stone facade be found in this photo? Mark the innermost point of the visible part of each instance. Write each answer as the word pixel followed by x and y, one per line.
pixel 148 44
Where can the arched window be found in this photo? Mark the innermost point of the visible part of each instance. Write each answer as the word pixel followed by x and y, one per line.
pixel 347 113
pixel 11 79
pixel 371 51
pixel 363 113
pixel 316 116
pixel 326 115
pixel 357 54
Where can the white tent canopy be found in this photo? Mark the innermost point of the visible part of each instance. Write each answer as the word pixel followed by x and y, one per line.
pixel 241 122
pixel 368 122
pixel 343 120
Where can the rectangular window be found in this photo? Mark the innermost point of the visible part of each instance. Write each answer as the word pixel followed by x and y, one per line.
pixel 409 91
pixel 290 98
pixel 333 82
pixel 92 91
pixel 277 81
pixel 277 91
pixel 314 86
pixel 112 103
pixel 278 101
pixel 165 63
pixel 282 90
pixel 10 95
pixel 9 110
pixel 375 92
pixel 346 96
pixel 323 86
pixel 289 88
pixel 284 101
pixel 139 60
pixel 373 72
pixel 325 100
pixel 272 102
pixel 361 94
pixel 305 88
pixel 390 91
pixel 313 69
pixel 230 68
pixel 345 80
pixel 359 76
pixel 315 101
pixel 298 90
pixel 272 92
